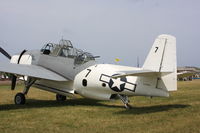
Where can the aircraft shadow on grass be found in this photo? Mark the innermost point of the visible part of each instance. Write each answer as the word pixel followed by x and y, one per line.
pixel 32 103
pixel 153 109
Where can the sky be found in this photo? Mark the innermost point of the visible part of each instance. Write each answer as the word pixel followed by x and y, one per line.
pixel 124 29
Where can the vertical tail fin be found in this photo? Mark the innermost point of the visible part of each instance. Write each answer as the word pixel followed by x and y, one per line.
pixel 162 58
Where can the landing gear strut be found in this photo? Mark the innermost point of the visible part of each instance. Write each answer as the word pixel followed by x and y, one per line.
pixel 125 100
pixel 20 98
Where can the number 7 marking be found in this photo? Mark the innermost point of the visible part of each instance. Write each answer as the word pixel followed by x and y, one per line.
pixel 156 49
pixel 89 70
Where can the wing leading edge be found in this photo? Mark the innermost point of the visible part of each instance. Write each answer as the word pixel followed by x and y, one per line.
pixel 31 70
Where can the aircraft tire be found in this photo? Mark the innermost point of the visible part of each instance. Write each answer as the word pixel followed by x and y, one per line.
pixel 20 99
pixel 60 97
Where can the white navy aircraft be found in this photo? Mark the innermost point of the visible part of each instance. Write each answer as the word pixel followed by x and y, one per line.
pixel 66 71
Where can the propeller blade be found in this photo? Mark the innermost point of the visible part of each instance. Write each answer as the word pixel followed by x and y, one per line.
pixel 5 53
pixel 14 79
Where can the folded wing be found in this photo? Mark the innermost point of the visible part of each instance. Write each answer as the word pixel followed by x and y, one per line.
pixel 31 71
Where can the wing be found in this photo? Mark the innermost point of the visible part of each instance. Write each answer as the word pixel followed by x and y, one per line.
pixel 31 70
pixel 143 73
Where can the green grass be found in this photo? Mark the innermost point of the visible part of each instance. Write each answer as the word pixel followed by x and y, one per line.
pixel 180 113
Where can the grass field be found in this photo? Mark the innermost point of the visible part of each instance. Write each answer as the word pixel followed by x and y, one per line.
pixel 42 114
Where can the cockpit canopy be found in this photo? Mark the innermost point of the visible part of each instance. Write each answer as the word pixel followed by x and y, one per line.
pixel 66 49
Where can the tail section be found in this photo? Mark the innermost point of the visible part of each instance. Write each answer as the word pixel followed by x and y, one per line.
pixel 162 58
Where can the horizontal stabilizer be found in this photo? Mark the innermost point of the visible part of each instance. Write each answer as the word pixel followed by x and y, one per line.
pixel 142 73
pixel 31 71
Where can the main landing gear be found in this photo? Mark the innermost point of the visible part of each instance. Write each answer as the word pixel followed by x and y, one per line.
pixel 20 98
pixel 125 100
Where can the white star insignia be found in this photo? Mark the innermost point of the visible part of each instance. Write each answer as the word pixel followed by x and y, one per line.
pixel 117 83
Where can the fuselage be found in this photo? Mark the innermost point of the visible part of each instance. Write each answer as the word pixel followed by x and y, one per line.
pixel 97 82
pixel 89 79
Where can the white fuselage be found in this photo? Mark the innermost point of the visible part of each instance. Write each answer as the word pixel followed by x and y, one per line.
pixel 96 82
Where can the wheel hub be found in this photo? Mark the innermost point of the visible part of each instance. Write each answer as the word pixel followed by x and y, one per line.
pixel 18 99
